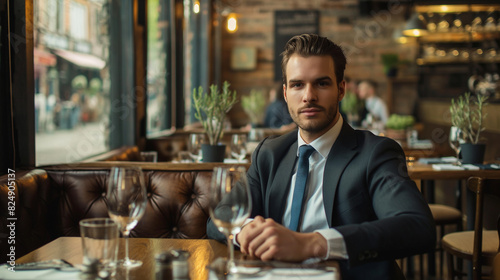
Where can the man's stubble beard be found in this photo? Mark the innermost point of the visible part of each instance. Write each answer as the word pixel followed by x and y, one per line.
pixel 314 126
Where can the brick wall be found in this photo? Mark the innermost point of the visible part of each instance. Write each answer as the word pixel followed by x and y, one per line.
pixel 363 37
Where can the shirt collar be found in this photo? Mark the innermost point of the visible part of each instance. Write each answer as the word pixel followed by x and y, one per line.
pixel 324 143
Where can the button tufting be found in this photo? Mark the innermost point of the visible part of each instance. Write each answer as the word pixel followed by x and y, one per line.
pixel 174 229
pixel 193 196
pixel 150 194
pixel 103 194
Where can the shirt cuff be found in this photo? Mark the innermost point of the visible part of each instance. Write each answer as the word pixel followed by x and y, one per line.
pixel 336 244
pixel 244 224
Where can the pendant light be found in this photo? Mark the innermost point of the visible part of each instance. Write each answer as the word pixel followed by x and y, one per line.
pixel 415 26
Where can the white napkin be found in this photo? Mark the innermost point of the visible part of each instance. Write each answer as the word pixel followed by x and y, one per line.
pixel 445 166
pixel 233 160
pixel 282 274
pixel 43 274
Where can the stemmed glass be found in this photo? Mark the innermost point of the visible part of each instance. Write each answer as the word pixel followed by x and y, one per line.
pixel 194 146
pixel 229 204
pixel 239 146
pixel 126 200
pixel 455 139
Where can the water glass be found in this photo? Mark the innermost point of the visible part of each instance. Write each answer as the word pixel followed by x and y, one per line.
pixel 149 156
pixel 455 139
pixel 100 246
pixel 239 146
pixel 126 200
pixel 194 146
pixel 229 204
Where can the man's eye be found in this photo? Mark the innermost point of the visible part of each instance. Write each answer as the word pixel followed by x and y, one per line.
pixel 295 85
pixel 323 84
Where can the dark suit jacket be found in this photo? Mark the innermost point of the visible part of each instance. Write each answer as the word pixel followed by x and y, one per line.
pixel 367 194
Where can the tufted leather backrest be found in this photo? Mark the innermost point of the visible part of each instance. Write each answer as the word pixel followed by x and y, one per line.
pixel 34 202
pixel 50 203
pixel 177 201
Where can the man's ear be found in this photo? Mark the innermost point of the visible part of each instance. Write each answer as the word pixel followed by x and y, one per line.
pixel 341 90
pixel 284 93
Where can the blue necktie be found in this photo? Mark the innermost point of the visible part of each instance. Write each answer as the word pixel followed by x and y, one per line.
pixel 305 152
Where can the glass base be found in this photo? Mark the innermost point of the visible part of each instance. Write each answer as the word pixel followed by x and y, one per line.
pixel 129 263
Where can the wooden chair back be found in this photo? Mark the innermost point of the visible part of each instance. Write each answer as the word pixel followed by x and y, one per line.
pixel 481 187
pixel 496 268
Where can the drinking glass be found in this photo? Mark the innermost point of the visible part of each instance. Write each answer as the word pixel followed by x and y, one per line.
pixel 455 139
pixel 229 204
pixel 194 146
pixel 126 200
pixel 99 245
pixel 239 146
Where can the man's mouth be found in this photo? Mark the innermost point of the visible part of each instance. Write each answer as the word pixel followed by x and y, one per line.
pixel 310 111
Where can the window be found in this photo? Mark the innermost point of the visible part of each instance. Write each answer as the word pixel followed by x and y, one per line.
pixel 72 79
pixel 78 20
pixel 158 63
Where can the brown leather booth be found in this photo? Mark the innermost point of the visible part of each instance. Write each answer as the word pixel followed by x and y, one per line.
pixel 50 202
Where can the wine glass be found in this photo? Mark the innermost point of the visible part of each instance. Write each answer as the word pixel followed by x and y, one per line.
pixel 126 200
pixel 194 146
pixel 229 204
pixel 455 139
pixel 239 146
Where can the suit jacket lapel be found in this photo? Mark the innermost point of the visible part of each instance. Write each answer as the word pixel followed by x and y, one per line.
pixel 281 185
pixel 343 150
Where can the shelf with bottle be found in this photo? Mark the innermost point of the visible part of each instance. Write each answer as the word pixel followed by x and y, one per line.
pixel 456 8
pixel 447 54
pixel 456 23
pixel 459 37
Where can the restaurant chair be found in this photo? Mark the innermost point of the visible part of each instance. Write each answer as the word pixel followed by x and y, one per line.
pixel 496 265
pixel 478 246
pixel 444 215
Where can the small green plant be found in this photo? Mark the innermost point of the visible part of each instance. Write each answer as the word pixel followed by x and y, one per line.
pixel 390 61
pixel 467 114
pixel 399 122
pixel 351 104
pixel 254 105
pixel 211 109
pixel 79 82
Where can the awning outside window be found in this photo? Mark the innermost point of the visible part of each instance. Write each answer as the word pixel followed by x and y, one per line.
pixel 82 59
pixel 42 57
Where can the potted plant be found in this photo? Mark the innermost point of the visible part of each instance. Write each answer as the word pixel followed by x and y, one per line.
pixel 211 109
pixel 397 125
pixel 352 106
pixel 467 115
pixel 254 106
pixel 390 62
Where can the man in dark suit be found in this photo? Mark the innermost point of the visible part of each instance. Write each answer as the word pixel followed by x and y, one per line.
pixel 359 205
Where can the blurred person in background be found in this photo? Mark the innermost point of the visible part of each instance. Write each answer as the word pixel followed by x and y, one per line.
pixel 277 115
pixel 375 106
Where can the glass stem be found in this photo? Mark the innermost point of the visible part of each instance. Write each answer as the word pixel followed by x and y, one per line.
pixel 125 236
pixel 230 246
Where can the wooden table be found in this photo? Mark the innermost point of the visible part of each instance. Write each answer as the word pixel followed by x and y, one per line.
pixel 424 172
pixel 420 171
pixel 202 253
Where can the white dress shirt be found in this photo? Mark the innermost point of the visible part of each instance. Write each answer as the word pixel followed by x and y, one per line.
pixel 313 218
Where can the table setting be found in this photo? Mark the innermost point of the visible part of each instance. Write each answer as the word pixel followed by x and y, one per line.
pixel 100 253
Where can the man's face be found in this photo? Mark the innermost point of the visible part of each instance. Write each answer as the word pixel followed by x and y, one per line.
pixel 312 94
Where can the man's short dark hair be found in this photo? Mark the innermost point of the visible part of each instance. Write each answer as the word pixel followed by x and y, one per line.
pixel 314 45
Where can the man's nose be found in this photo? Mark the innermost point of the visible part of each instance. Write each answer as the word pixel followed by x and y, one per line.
pixel 310 94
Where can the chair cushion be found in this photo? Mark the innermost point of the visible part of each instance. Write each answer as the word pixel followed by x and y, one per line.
pixel 461 244
pixel 444 214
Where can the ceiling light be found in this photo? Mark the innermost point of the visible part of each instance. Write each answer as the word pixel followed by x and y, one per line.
pixel 415 26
